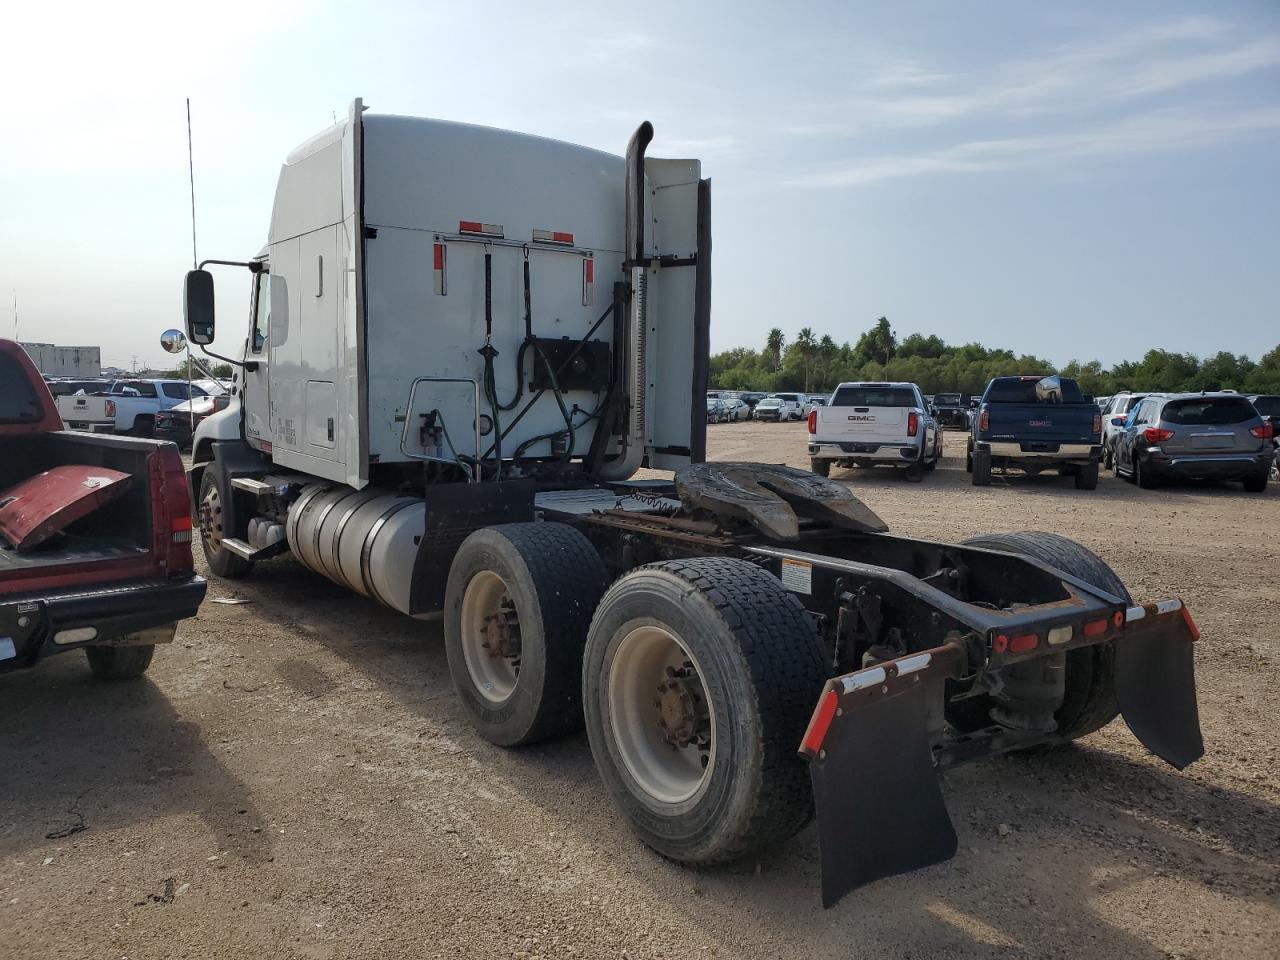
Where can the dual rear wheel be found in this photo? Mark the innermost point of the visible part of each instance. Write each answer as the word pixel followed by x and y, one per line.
pixel 695 679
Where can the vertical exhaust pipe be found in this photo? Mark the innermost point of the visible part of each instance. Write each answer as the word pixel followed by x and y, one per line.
pixel 628 461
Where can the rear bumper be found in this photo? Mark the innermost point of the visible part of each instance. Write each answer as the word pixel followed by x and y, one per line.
pixel 875 744
pixel 1028 450
pixel 906 450
pixel 92 426
pixel 34 627
pixel 1207 466
pixel 178 431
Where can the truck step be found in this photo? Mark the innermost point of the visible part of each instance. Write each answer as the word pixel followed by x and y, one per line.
pixel 247 552
pixel 271 483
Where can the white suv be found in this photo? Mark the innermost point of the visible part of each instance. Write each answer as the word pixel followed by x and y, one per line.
pixel 782 406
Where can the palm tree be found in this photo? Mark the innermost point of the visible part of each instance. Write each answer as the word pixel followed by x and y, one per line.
pixel 773 348
pixel 807 344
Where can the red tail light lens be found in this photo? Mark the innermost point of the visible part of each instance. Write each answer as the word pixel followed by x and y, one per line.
pixel 813 421
pixel 1096 628
pixel 913 423
pixel 1097 424
pixel 1023 642
pixel 1264 432
pixel 984 418
pixel 111 408
pixel 172 504
pixel 1156 435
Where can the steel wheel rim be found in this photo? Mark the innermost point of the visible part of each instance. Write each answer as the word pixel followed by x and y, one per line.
pixel 211 520
pixel 667 773
pixel 493 663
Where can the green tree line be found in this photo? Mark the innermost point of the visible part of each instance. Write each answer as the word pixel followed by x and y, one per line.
pixel 814 364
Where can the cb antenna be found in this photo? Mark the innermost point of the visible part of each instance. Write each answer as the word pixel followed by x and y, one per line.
pixel 191 178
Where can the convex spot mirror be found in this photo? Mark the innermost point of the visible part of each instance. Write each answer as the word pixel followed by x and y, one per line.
pixel 173 341
pixel 197 306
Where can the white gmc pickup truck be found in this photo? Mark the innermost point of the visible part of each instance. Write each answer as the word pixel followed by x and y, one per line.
pixel 866 424
pixel 127 406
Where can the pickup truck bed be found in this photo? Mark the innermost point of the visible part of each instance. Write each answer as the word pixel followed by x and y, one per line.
pixel 120 575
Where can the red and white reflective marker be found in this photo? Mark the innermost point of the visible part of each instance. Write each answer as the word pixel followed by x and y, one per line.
pixel 588 280
pixel 553 236
pixel 480 229
pixel 438 254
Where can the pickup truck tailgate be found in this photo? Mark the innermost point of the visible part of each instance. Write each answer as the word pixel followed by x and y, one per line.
pixel 861 423
pixel 77 408
pixel 1041 422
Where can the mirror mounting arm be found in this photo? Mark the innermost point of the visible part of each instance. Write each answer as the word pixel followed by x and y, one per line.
pixel 253 266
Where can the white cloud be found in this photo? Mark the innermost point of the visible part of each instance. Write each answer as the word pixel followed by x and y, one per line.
pixel 1141 133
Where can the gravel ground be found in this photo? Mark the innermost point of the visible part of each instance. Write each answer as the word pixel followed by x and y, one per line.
pixel 293 779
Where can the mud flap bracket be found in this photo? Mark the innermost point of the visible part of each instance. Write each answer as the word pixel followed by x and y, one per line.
pixel 879 804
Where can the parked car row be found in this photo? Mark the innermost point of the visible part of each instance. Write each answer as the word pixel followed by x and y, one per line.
pixel 1034 424
pixel 140 407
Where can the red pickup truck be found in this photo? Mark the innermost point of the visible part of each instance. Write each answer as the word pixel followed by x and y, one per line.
pixel 95 536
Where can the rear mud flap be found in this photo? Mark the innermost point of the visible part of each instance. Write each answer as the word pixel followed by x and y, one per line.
pixel 1156 683
pixel 879 805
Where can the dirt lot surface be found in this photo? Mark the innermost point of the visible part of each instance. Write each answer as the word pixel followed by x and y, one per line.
pixel 293 779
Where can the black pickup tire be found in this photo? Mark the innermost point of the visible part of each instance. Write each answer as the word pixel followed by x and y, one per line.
pixel 518 604
pixel 119 663
pixel 821 467
pixel 1086 476
pixel 1089 703
pixel 981 469
pixel 699 679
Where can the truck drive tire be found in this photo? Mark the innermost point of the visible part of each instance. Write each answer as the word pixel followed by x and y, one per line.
pixel 1086 476
pixel 1089 703
pixel 518 604
pixel 821 467
pixel 699 679
pixel 119 663
pixel 209 511
pixel 981 469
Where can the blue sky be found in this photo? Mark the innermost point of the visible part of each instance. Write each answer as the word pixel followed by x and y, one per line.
pixel 1070 180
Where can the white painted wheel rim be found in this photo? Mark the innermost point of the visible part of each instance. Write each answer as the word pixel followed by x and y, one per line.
pixel 494 675
pixel 666 773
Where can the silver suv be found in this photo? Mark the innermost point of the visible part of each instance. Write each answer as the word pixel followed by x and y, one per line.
pixel 1194 436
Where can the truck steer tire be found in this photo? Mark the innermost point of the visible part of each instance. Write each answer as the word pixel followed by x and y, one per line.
pixel 698 681
pixel 518 605
pixel 209 511
pixel 821 467
pixel 1090 700
pixel 981 469
pixel 119 663
pixel 1086 476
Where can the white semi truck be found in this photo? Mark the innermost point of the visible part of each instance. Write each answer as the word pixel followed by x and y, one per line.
pixel 463 343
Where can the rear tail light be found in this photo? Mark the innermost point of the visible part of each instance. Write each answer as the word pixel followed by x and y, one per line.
pixel 1096 628
pixel 111 408
pixel 984 418
pixel 171 500
pixel 1023 642
pixel 1156 435
pixel 1264 432
pixel 813 421
pixel 913 423
pixel 1097 424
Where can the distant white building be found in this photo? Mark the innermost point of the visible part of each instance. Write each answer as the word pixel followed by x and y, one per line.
pixel 55 361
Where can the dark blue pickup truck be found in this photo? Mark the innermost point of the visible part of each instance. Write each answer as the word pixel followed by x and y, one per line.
pixel 1033 424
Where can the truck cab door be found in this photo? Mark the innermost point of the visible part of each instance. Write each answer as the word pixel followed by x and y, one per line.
pixel 676 313
pixel 255 397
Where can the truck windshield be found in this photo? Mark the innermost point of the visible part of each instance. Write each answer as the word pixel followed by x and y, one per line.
pixel 18 400
pixel 947 400
pixel 873 397
pixel 1208 411
pixel 1023 390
